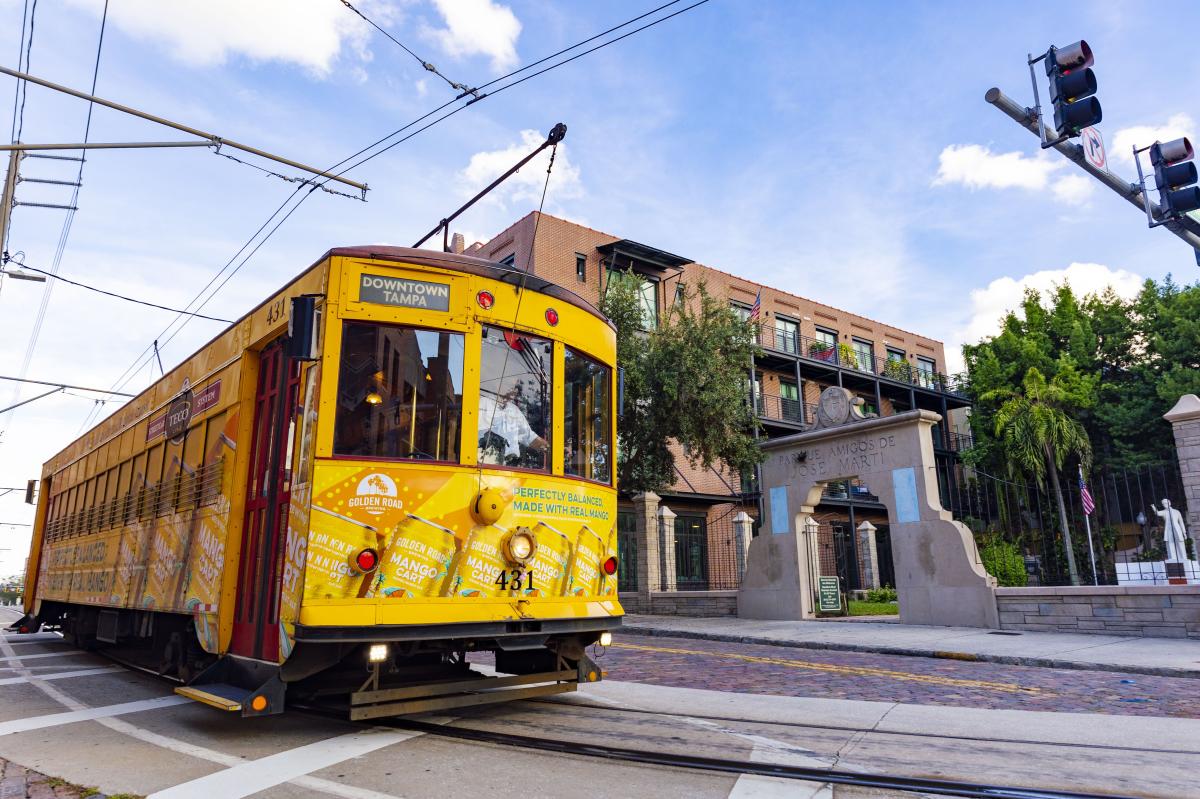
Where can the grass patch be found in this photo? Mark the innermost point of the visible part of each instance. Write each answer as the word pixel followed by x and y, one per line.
pixel 860 608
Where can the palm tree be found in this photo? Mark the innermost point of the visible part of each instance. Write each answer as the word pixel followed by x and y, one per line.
pixel 1038 435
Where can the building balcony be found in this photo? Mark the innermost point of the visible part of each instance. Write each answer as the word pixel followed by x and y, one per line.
pixel 778 343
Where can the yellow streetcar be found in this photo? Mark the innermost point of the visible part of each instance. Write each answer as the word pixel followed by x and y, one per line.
pixel 402 457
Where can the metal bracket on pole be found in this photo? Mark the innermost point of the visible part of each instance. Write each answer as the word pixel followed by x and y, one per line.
pixel 1185 228
pixel 209 137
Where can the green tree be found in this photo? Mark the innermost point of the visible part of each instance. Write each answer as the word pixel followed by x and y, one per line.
pixel 1039 433
pixel 685 381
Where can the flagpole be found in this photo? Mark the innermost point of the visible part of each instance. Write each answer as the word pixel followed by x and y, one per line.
pixel 1087 523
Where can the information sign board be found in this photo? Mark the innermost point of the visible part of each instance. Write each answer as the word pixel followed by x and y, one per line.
pixel 830 593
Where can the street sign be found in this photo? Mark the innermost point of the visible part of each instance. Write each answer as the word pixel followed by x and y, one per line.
pixel 830 594
pixel 1093 148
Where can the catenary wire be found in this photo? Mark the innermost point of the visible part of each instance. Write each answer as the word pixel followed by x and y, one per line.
pixel 23 85
pixel 461 87
pixel 134 368
pixel 114 294
pixel 20 62
pixel 65 233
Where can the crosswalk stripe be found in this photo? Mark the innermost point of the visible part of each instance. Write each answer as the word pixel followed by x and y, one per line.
pixel 70 717
pixel 61 675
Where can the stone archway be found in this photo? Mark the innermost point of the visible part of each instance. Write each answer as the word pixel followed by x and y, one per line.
pixel 939 577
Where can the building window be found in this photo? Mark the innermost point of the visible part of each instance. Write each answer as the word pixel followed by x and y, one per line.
pixel 399 393
pixel 825 346
pixel 648 294
pixel 587 433
pixel 514 400
pixel 926 372
pixel 896 367
pixel 680 293
pixel 787 335
pixel 864 354
pixel 789 400
pixel 581 267
pixel 509 260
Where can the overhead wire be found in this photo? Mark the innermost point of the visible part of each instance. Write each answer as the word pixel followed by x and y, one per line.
pixel 140 361
pixel 462 87
pixel 20 62
pixel 113 293
pixel 24 85
pixel 69 220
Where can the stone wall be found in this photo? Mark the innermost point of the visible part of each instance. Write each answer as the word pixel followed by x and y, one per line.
pixel 1152 611
pixel 682 603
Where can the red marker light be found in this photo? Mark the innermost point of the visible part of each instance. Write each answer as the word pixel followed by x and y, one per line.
pixel 551 317
pixel 485 299
pixel 610 566
pixel 366 560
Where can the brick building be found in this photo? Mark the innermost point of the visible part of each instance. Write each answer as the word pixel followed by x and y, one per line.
pixel 806 347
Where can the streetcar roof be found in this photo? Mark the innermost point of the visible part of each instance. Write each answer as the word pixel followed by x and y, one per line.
pixel 470 265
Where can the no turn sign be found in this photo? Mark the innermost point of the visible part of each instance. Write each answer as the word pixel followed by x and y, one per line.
pixel 1093 148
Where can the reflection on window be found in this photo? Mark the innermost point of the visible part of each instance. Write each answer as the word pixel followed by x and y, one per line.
pixel 514 400
pixel 399 393
pixel 588 412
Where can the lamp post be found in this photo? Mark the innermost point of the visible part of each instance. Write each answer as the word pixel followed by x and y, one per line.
pixel 1141 520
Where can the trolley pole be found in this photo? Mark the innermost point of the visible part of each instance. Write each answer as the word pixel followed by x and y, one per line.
pixel 6 201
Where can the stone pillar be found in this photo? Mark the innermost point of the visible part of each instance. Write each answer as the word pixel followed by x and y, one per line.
pixel 666 547
pixel 645 508
pixel 1185 421
pixel 743 531
pixel 868 556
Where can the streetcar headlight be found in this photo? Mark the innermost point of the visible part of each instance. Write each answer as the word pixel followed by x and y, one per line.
pixel 520 545
pixel 605 638
pixel 377 653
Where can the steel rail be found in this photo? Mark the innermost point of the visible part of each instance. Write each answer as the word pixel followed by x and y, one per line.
pixel 727 766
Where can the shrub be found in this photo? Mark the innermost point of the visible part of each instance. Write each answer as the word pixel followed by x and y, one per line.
pixel 885 594
pixel 1003 560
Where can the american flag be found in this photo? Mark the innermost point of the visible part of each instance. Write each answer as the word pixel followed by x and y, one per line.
pixel 1085 496
pixel 756 308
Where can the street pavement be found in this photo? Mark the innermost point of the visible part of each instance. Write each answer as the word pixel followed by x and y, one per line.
pixel 1172 657
pixel 72 716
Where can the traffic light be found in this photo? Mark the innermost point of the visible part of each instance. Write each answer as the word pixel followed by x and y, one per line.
pixel 1072 84
pixel 1175 174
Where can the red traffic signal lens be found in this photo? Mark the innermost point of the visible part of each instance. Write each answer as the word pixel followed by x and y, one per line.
pixel 610 566
pixel 485 299
pixel 551 317
pixel 366 560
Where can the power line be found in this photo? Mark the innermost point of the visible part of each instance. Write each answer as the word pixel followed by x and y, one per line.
pixel 65 385
pixel 20 59
pixel 118 296
pixel 146 355
pixel 25 86
pixel 462 87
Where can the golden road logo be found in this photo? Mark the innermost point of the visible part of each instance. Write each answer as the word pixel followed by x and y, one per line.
pixel 376 493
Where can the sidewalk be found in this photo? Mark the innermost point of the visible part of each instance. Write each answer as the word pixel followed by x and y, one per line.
pixel 1164 657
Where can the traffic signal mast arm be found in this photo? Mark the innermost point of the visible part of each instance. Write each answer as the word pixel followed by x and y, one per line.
pixel 1185 227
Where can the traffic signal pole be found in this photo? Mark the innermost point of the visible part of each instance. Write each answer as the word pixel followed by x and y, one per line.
pixel 1185 228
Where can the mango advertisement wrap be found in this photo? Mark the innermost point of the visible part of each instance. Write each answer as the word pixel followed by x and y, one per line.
pixel 430 546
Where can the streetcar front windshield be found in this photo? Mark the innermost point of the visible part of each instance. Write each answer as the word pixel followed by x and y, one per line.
pixel 514 399
pixel 587 432
pixel 399 393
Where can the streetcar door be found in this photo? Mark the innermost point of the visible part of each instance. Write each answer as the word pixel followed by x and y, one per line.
pixel 264 531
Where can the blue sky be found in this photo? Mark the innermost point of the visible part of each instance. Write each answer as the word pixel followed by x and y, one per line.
pixel 840 151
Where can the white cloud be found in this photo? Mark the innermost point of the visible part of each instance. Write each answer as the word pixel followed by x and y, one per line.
pixel 990 304
pixel 478 27
pixel 977 167
pixel 203 33
pixel 526 185
pixel 1125 139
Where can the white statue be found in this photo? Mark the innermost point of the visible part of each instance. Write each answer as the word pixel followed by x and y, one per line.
pixel 1174 533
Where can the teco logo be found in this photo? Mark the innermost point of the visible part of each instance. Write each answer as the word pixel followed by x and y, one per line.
pixel 376 493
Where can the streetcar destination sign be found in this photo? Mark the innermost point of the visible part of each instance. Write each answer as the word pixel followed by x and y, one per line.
pixel 404 292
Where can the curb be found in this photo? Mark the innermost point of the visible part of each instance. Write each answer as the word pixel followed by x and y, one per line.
pixel 1011 660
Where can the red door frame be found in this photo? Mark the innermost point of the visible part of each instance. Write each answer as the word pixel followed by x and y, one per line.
pixel 264 528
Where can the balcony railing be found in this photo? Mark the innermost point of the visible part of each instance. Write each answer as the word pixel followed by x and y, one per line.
pixel 781 408
pixel 789 342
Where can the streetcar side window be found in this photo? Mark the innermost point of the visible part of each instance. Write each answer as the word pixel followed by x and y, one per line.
pixel 399 393
pixel 514 400
pixel 587 420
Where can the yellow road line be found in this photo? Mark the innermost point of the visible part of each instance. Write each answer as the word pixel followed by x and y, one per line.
pixel 856 671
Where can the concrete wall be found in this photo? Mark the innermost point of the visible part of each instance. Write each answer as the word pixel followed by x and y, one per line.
pixel 1153 611
pixel 682 603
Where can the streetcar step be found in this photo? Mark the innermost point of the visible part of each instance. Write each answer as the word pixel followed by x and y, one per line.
pixel 219 695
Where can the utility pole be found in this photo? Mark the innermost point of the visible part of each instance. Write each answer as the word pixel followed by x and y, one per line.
pixel 6 201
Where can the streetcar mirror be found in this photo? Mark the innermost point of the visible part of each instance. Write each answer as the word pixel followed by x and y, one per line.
pixel 303 328
pixel 620 392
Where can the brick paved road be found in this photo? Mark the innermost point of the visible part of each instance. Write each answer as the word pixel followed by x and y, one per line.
pixel 788 671
pixel 17 782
